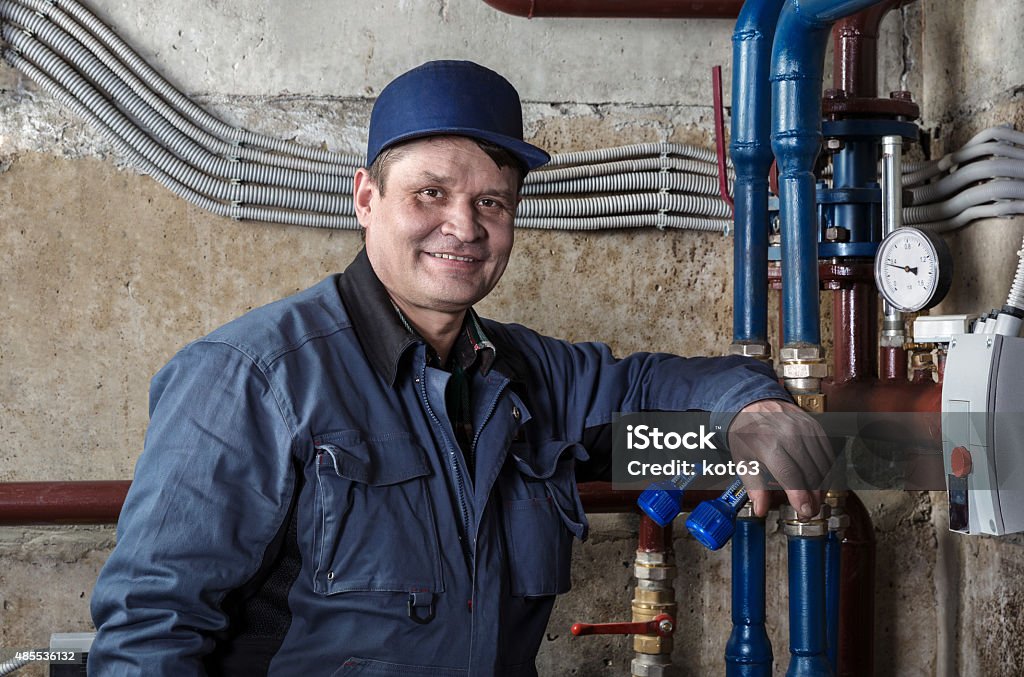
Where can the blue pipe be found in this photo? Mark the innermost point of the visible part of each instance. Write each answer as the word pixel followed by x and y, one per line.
pixel 748 652
pixel 807 608
pixel 832 572
pixel 752 157
pixel 798 55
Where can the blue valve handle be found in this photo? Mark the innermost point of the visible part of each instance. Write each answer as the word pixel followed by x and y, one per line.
pixel 713 522
pixel 662 500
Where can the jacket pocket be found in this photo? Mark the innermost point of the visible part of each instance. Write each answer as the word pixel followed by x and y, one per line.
pixel 375 528
pixel 542 513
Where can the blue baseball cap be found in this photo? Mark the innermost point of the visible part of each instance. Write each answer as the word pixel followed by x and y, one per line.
pixel 458 98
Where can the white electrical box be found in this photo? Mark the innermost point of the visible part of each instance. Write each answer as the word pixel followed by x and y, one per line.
pixel 941 328
pixel 983 433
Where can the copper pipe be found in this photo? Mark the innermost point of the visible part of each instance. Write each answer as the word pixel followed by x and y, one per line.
pixel 855 40
pixel 23 503
pixel 857 593
pixel 621 9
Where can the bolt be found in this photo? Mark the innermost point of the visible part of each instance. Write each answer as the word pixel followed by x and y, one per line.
pixel 665 627
pixel 837 234
pixel 833 144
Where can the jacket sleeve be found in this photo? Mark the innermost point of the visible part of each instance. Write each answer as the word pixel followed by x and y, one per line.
pixel 212 488
pixel 588 385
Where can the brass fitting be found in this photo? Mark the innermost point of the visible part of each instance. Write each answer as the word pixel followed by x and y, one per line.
pixel 647 605
pixel 811 402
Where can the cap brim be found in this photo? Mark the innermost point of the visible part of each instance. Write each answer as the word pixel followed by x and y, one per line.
pixel 531 156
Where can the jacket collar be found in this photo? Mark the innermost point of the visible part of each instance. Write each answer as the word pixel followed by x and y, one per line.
pixel 381 332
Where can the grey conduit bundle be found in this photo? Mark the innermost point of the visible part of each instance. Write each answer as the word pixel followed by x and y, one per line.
pixel 634 151
pixel 227 190
pixel 984 179
pixel 128 56
pixel 231 172
pixel 621 183
pixel 243 175
pixel 659 163
pixel 235 211
pixel 659 221
pixel 232 150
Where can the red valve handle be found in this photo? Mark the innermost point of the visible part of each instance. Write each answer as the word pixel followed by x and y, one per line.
pixel 662 625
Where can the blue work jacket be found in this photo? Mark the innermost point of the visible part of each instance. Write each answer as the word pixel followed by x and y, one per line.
pixel 301 506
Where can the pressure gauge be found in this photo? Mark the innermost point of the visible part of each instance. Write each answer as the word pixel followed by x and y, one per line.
pixel 913 269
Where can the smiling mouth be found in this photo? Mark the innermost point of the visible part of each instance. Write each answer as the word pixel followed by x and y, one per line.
pixel 453 257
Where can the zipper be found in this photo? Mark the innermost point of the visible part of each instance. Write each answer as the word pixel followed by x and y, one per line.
pixel 453 464
pixel 490 413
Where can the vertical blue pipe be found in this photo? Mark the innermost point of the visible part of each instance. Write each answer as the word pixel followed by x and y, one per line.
pixel 751 153
pixel 832 573
pixel 748 652
pixel 807 608
pixel 798 53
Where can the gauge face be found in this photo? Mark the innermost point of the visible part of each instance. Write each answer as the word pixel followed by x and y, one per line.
pixel 912 269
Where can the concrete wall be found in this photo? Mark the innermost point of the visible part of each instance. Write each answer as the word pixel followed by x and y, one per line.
pixel 104 275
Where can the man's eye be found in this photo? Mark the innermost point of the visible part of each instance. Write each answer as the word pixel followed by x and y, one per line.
pixel 430 192
pixel 491 204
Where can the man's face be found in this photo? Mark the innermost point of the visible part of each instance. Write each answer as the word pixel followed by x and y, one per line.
pixel 440 235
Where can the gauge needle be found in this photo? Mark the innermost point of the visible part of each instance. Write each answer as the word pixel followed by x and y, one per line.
pixel 906 269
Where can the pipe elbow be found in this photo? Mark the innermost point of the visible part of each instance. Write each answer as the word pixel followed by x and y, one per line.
pixel 515 7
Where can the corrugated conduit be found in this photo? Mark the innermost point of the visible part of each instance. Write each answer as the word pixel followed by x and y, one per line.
pixel 243 175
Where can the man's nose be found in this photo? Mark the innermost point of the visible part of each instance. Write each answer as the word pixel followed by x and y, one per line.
pixel 462 221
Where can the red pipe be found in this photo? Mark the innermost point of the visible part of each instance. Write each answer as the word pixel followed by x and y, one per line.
pixel 855 40
pixel 854 327
pixel 723 179
pixel 24 503
pixel 621 9
pixel 654 538
pixel 893 364
pixel 857 593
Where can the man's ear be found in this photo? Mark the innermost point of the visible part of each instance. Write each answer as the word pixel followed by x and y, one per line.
pixel 364 191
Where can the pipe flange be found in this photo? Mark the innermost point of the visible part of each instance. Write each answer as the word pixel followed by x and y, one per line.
pixel 801 353
pixel 896 106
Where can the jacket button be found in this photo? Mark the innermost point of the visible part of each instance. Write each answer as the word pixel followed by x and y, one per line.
pixel 515 412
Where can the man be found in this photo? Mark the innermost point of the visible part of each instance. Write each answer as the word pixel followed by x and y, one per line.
pixel 368 478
